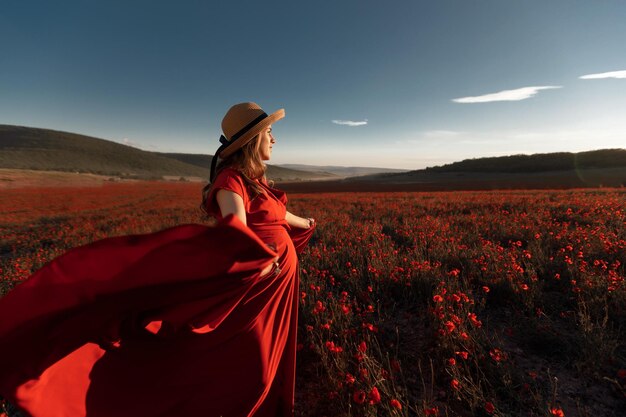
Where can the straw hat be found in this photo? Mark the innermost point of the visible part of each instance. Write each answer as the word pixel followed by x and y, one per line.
pixel 240 125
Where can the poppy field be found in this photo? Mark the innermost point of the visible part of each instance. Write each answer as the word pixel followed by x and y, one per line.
pixel 487 303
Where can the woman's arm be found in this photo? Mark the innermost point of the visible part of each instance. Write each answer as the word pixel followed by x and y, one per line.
pixel 231 203
pixel 296 221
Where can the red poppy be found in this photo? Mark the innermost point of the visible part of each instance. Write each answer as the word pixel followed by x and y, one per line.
pixel 358 397
pixel 374 396
pixel 454 273
pixel 370 327
pixel 450 326
pixel 497 355
pixel 395 404
pixel 332 348
pixel 474 320
pixel 464 355
pixel 319 307
pixel 433 411
pixel 350 379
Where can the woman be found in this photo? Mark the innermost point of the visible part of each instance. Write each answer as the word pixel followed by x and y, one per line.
pixel 189 321
pixel 239 188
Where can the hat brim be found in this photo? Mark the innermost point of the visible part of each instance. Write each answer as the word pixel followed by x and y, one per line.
pixel 249 135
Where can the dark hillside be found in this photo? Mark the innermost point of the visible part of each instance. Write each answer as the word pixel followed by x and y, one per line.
pixel 342 172
pixel 276 173
pixel 49 150
pixel 199 160
pixel 560 161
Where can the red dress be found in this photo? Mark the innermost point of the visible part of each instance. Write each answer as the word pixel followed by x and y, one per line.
pixel 174 323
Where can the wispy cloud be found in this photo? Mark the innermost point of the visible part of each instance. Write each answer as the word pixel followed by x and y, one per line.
pixel 432 136
pixel 139 145
pixel 130 142
pixel 506 95
pixel 350 122
pixel 441 133
pixel 611 74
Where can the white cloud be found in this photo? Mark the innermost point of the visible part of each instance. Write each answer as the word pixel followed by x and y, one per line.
pixel 129 142
pixel 441 133
pixel 350 122
pixel 506 95
pixel 611 74
pixel 142 146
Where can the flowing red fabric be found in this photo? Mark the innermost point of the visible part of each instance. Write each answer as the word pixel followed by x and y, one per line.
pixel 179 322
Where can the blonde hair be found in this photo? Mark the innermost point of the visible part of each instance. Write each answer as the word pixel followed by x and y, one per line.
pixel 247 160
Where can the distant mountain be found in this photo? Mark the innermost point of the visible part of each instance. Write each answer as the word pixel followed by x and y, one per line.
pixel 274 172
pixel 51 150
pixel 342 172
pixel 559 161
pixel 600 168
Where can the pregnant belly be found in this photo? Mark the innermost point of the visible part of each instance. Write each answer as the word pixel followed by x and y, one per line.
pixel 277 238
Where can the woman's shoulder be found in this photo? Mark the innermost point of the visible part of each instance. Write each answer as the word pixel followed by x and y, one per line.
pixel 230 179
pixel 228 174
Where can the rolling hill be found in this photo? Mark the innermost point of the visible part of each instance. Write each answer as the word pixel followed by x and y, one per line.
pixel 26 148
pixel 51 150
pixel 339 171
pixel 563 170
pixel 275 172
pixel 601 168
pixel 558 161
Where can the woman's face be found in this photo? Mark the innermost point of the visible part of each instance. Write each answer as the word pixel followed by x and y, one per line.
pixel 266 141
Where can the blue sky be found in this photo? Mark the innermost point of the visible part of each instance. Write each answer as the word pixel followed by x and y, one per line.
pixel 400 84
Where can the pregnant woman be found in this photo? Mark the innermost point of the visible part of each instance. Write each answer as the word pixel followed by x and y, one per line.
pixel 189 321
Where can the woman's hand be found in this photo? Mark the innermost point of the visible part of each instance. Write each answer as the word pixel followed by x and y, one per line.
pixel 297 221
pixel 268 268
